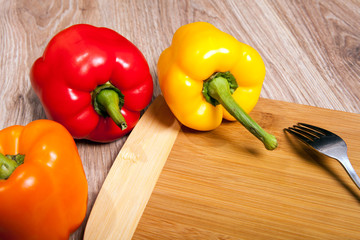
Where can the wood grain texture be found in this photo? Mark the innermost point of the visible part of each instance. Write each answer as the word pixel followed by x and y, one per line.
pixel 310 48
pixel 223 184
pixel 133 175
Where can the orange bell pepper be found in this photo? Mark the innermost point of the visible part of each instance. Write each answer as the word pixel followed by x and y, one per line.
pixel 45 197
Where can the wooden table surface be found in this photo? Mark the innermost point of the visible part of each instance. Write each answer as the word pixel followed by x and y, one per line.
pixel 311 50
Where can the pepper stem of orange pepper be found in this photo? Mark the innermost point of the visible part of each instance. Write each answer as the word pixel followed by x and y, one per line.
pixel 218 88
pixel 9 163
pixel 107 101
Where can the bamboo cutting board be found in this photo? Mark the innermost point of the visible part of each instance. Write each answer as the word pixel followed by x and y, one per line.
pixel 223 184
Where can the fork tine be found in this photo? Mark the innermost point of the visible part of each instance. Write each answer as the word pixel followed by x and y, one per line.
pixel 313 133
pixel 305 133
pixel 321 130
pixel 296 133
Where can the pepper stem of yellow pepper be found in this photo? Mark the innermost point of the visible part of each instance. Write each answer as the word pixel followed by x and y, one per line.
pixel 107 101
pixel 9 163
pixel 218 88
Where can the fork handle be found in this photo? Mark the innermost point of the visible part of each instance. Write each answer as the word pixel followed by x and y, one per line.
pixel 345 162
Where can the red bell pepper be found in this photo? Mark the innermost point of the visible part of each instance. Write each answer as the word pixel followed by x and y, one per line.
pixel 93 81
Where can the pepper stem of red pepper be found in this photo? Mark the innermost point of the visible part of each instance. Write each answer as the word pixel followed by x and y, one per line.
pixel 219 89
pixel 9 163
pixel 107 101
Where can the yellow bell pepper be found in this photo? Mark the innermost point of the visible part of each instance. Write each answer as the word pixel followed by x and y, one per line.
pixel 207 75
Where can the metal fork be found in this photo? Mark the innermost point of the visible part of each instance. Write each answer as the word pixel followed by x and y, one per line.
pixel 326 143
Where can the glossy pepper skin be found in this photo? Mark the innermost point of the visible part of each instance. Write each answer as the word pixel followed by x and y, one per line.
pixel 77 62
pixel 46 196
pixel 197 52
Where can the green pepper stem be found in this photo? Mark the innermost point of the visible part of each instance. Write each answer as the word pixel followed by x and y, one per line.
pixel 8 164
pixel 218 88
pixel 108 101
